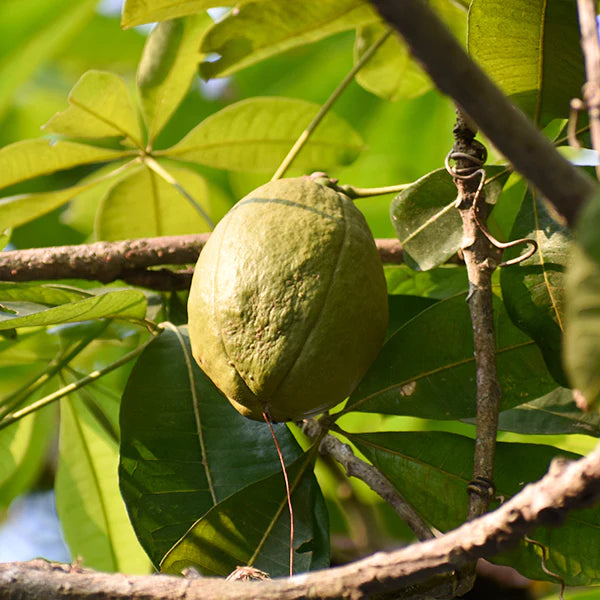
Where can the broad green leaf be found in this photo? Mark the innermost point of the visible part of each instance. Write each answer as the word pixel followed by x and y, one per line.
pixel 124 304
pixel 37 38
pixel 99 107
pixel 23 208
pixel 582 319
pixel 427 466
pixel 138 12
pixel 253 527
pixel 391 73
pixel 31 158
pixel 257 30
pixel 144 205
pixel 92 514
pixel 533 289
pixel 427 369
pixel 532 50
pixel 46 293
pixel 23 448
pixel 183 446
pixel 554 413
pixel 256 134
pixel 426 220
pixel 441 282
pixel 403 308
pixel 168 65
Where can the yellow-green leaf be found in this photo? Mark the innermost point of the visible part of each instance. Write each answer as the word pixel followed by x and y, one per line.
pixel 137 12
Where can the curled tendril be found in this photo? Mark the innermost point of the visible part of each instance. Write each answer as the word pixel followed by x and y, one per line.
pixel 469 172
pixel 545 568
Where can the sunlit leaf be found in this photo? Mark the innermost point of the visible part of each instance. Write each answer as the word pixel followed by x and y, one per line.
pixel 441 282
pixel 167 67
pixel 428 466
pixel 533 289
pixel 45 293
pixel 31 158
pixel 125 304
pixel 537 59
pixel 91 511
pixel 257 30
pixel 427 368
pixel 183 447
pixel 254 523
pixel 99 106
pixel 257 133
pixel 37 39
pixel 144 205
pixel 137 12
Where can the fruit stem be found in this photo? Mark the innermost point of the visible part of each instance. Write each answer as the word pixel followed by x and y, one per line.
pixel 355 192
pixel 161 172
pixel 287 490
pixel 287 161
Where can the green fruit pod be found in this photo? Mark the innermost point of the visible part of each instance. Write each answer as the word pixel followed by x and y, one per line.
pixel 288 303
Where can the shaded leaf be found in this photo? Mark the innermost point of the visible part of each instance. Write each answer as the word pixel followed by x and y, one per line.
pixel 533 289
pixel 125 304
pixel 168 65
pixel 182 456
pixel 31 158
pixel 138 12
pixel 99 107
pixel 537 61
pixel 427 466
pixel 427 369
pixel 252 527
pixel 402 308
pixel 256 134
pixel 582 319
pixel 91 511
pixel 257 30
pixel 37 39
pixel 142 204
pixel 426 221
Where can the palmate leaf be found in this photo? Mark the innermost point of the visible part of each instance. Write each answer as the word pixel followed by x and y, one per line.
pixel 427 466
pixel 142 204
pixel 168 65
pixel 138 12
pixel 122 303
pixel 257 133
pixel 259 29
pixel 427 368
pixel 252 527
pixel 537 61
pixel 183 447
pixel 99 107
pixel 533 289
pixel 92 514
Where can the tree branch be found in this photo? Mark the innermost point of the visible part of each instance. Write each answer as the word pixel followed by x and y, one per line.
pixel 567 486
pixel 455 74
pixel 128 260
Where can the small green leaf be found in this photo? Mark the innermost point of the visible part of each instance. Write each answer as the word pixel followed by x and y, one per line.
pixel 167 67
pixel 582 319
pixel 183 446
pixel 532 50
pixel 91 511
pixel 99 107
pixel 257 30
pixel 427 368
pixel 426 220
pixel 439 283
pixel 124 304
pixel 257 133
pixel 45 293
pixel 533 289
pixel 142 204
pixel 427 466
pixel 31 158
pixel 254 524
pixel 138 12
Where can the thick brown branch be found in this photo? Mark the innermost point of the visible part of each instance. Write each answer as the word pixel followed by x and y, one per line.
pixel 566 487
pixel 455 74
pixel 128 260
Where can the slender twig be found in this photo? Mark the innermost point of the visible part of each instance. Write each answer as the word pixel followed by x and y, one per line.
pixel 301 141
pixel 591 51
pixel 356 192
